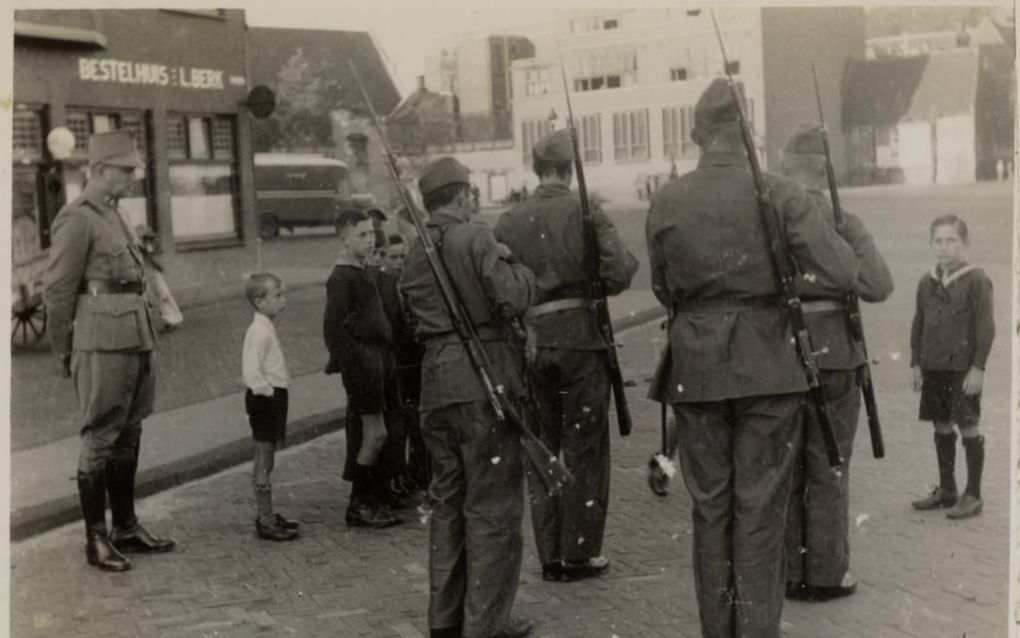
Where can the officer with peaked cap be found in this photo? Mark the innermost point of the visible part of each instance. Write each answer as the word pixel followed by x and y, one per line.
pixel 567 356
pixel 100 328
pixel 475 540
pixel 817 541
pixel 736 384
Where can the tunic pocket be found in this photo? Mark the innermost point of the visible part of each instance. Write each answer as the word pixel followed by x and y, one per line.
pixel 109 322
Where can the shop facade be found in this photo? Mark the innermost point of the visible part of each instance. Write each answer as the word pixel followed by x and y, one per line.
pixel 177 80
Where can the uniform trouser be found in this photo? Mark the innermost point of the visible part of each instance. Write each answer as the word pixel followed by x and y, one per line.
pixel 572 389
pixel 737 459
pixel 477 497
pixel 817 545
pixel 115 392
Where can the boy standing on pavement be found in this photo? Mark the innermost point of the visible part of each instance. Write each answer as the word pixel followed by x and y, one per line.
pixel 100 327
pixel 737 383
pixel 476 490
pixel 265 376
pixel 358 336
pixel 568 369
pixel 817 522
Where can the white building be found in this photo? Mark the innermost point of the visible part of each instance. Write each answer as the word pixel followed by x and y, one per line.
pixel 636 74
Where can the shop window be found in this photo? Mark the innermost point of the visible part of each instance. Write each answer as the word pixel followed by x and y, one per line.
pixel 590 138
pixel 630 135
pixel 26 137
pixel 203 178
pixel 677 124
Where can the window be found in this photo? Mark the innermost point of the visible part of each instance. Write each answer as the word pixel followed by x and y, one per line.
pixel 677 124
pixel 593 23
pixel 630 135
pixel 26 202
pixel 203 175
pixel 678 74
pixel 733 67
pixel 536 81
pixel 610 24
pixel 531 132
pixel 27 137
pixel 590 138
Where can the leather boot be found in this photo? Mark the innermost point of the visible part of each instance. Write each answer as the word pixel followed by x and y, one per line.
pixel 128 535
pixel 98 550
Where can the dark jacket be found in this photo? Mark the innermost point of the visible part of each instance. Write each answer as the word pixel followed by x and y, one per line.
pixel 953 324
pixel 730 336
pixel 546 234
pixel 354 323
pixel 492 289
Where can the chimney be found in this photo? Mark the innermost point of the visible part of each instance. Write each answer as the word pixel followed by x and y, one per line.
pixel 421 83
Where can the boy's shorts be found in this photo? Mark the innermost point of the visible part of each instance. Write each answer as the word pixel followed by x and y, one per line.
pixel 267 416
pixel 943 400
pixel 372 388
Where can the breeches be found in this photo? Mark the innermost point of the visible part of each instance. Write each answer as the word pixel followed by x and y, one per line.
pixel 572 388
pixel 475 527
pixel 737 457
pixel 115 392
pixel 817 546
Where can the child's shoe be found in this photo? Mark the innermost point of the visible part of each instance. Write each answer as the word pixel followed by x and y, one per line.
pixel 939 497
pixel 968 506
pixel 273 531
pixel 286 523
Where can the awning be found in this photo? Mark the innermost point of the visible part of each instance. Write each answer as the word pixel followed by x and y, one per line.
pixel 38 31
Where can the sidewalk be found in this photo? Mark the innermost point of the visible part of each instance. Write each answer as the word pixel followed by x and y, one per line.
pixel 921 575
pixel 186 443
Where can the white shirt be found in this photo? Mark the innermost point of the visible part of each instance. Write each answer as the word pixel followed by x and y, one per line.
pixel 262 364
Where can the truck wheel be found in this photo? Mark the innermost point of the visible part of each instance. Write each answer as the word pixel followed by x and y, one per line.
pixel 269 226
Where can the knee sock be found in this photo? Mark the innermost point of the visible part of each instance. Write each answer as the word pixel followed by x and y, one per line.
pixel 264 502
pixel 974 447
pixel 945 450
pixel 361 486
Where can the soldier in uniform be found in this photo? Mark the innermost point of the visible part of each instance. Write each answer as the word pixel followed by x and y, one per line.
pixel 477 477
pixel 100 326
pixel 817 542
pixel 568 365
pixel 736 384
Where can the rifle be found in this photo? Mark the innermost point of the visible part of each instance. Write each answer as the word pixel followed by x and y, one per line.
pixel 546 466
pixel 852 303
pixel 597 286
pixel 782 262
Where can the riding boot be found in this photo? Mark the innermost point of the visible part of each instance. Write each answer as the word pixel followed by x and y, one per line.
pixel 127 534
pixel 98 550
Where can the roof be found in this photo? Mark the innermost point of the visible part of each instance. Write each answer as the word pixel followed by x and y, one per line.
pixel 422 105
pixel 889 90
pixel 271 48
pixel 295 159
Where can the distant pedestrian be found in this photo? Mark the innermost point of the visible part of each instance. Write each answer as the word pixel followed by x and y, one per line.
pixel 265 376
pixel 358 337
pixel 817 521
pixel 95 300
pixel 950 340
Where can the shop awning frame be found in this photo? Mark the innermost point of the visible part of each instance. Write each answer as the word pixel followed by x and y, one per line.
pixel 87 37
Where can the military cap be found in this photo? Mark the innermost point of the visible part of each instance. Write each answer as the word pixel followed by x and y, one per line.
pixel 114 148
pixel 716 105
pixel 554 147
pixel 442 172
pixel 807 140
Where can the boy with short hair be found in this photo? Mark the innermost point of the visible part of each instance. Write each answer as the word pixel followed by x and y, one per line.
pixel 358 335
pixel 265 401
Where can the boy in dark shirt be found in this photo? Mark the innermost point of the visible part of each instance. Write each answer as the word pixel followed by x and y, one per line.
pixel 358 336
pixel 950 340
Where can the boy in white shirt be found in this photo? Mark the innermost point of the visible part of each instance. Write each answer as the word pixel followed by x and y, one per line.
pixel 265 401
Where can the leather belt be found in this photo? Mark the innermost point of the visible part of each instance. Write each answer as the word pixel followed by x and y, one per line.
pixel 556 306
pixel 821 305
pixel 726 304
pixel 484 332
pixel 114 287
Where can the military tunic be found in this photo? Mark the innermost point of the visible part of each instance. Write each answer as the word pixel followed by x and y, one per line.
pixel 476 489
pixel 817 543
pixel 569 372
pixel 736 383
pixel 110 335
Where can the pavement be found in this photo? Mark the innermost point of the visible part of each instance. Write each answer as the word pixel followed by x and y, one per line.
pixel 920 574
pixel 202 437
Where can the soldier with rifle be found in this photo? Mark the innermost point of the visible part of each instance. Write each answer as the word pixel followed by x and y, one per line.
pixel 817 542
pixel 738 380
pixel 568 353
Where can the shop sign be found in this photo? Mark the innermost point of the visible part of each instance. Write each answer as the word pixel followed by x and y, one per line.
pixel 125 72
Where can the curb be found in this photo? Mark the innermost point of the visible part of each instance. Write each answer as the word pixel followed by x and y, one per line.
pixel 36 519
pixel 42 517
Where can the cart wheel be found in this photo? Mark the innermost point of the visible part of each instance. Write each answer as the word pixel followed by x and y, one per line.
pixel 28 324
